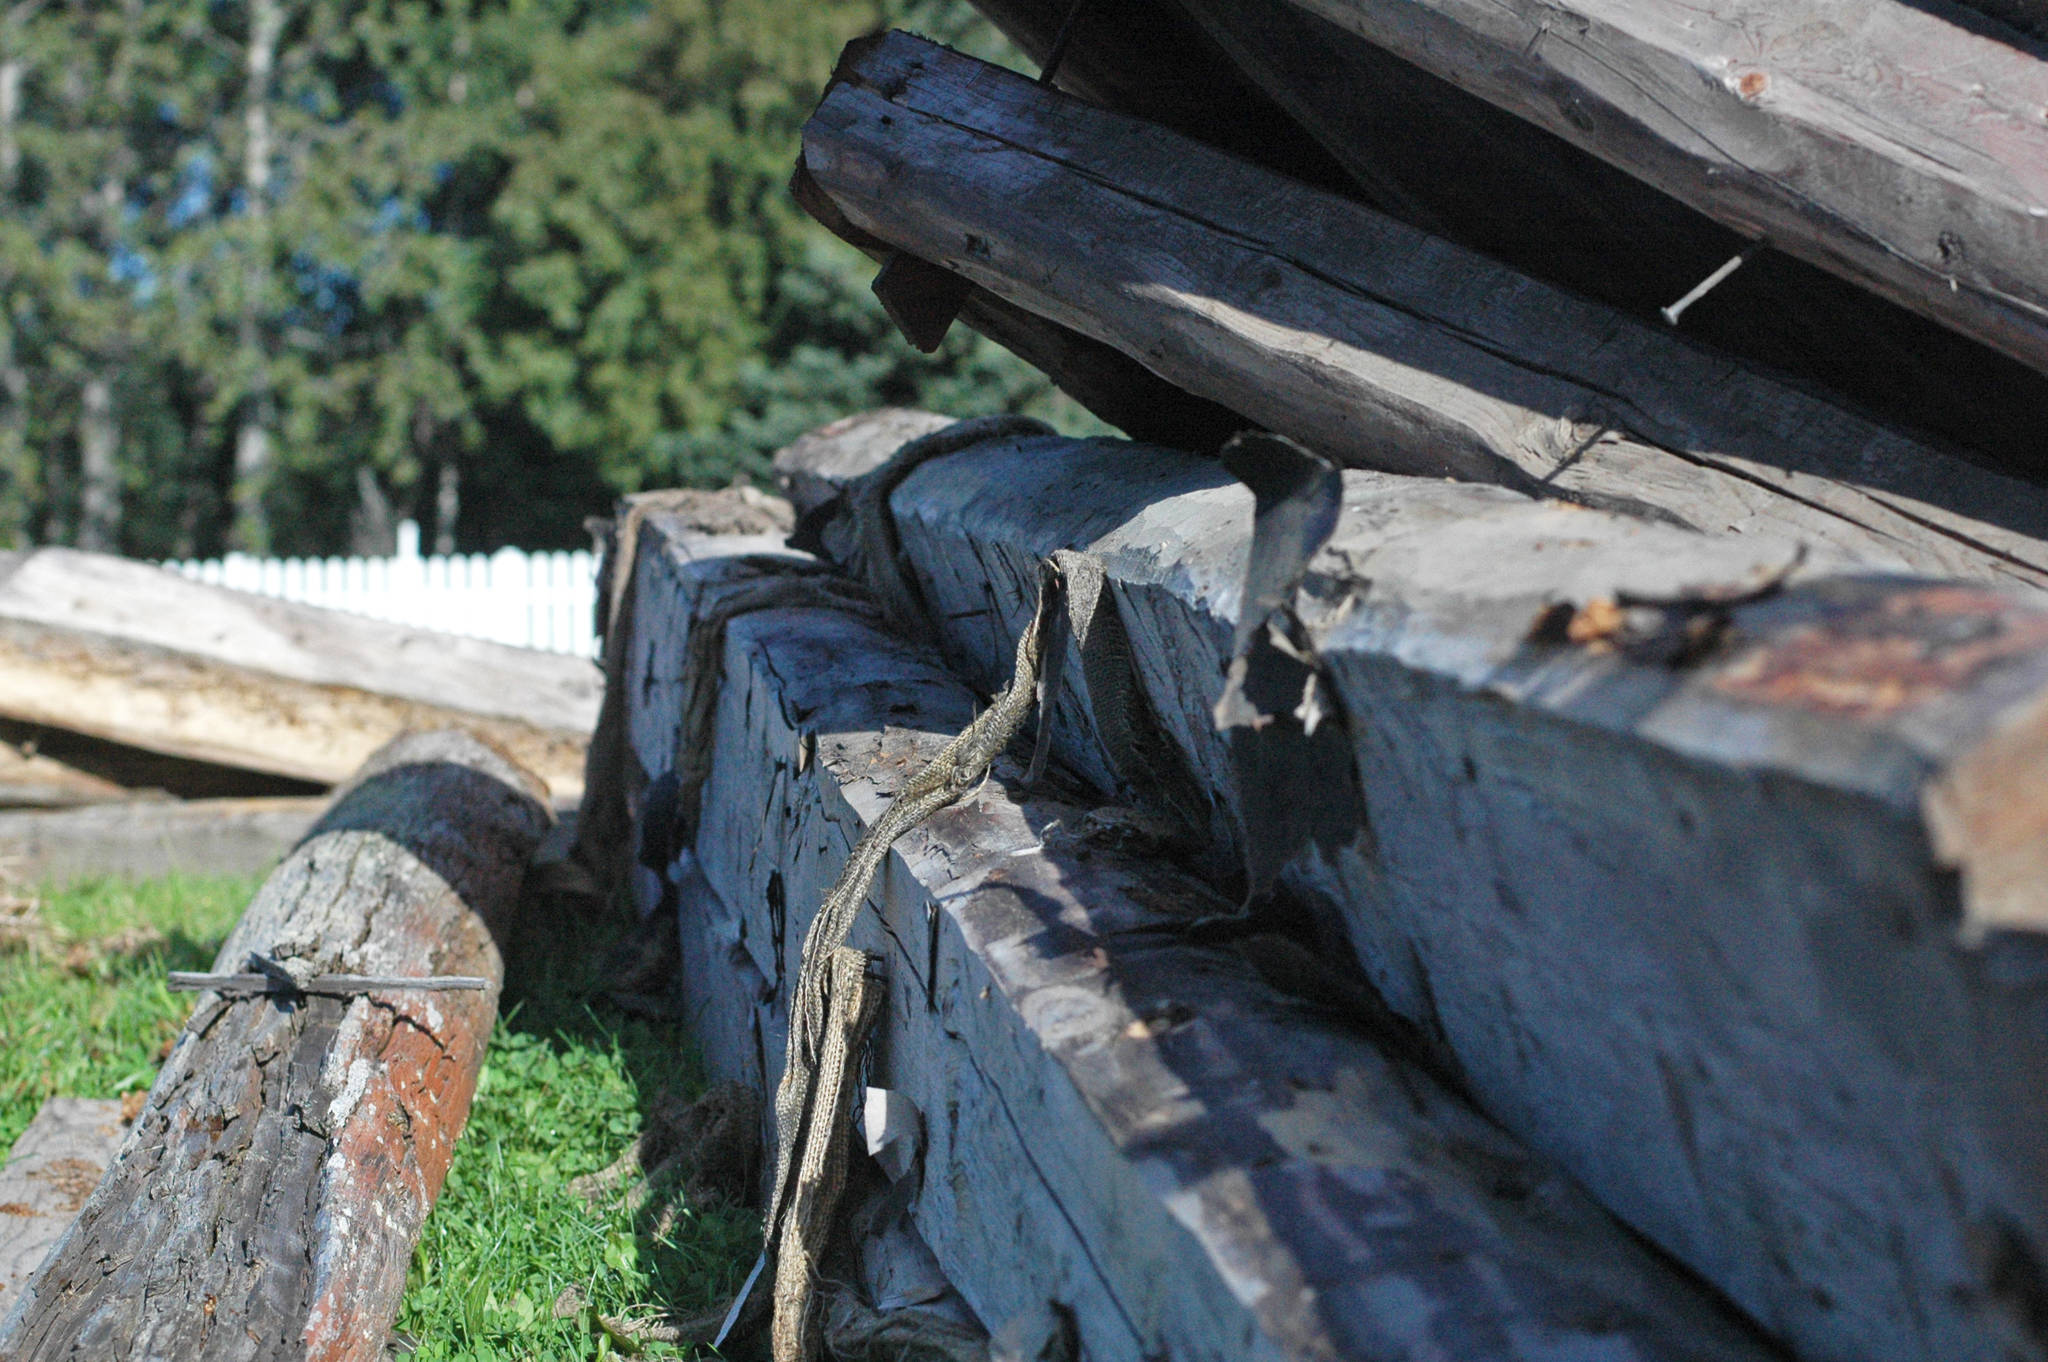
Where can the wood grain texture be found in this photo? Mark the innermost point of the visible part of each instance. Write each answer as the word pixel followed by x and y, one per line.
pixel 1749 939
pixel 266 1203
pixel 1882 141
pixel 121 599
pixel 1142 1129
pixel 1367 340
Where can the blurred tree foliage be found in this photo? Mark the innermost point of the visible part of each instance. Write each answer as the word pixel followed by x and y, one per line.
pixel 274 275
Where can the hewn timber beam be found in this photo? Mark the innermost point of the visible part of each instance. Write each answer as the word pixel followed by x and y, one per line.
pixel 1443 159
pixel 266 1202
pixel 1365 339
pixel 1193 1162
pixel 1883 141
pixel 1731 899
pixel 1451 163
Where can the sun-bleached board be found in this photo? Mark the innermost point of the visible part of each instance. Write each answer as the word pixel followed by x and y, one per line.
pixel 132 654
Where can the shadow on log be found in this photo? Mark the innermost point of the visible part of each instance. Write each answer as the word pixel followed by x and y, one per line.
pixel 267 1200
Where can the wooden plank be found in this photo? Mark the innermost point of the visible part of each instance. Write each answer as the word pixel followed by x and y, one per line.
pixel 185 703
pixel 268 1198
pixel 1374 343
pixel 50 1173
pixel 149 838
pixel 1888 144
pixel 123 599
pixel 1139 1128
pixel 1745 933
pixel 118 598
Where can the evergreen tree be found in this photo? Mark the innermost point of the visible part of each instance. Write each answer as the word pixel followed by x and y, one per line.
pixel 273 275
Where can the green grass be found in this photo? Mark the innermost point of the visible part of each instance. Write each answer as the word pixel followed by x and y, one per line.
pixel 96 1025
pixel 564 1085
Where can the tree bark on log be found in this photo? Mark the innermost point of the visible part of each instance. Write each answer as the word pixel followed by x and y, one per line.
pixel 1732 901
pixel 1140 1130
pixel 266 1203
pixel 1365 339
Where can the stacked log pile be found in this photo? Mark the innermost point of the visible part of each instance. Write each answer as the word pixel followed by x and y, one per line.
pixel 1613 813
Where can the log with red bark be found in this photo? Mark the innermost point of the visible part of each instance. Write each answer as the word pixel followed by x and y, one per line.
pixel 267 1200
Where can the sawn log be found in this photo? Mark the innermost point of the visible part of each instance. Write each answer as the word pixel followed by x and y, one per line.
pixel 135 655
pixel 266 1202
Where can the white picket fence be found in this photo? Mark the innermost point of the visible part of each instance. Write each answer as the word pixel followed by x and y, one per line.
pixel 529 600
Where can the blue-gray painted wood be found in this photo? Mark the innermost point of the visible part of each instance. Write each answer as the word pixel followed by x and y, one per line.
pixel 1751 944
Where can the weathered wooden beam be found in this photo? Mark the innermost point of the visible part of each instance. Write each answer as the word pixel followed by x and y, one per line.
pixel 1447 161
pixel 1144 1130
pixel 268 1198
pixel 147 838
pixel 1109 383
pixel 131 654
pixel 1443 159
pixel 1890 144
pixel 1367 340
pixel 1735 909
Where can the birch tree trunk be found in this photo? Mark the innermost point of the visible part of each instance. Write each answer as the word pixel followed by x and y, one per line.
pixel 99 473
pixel 252 438
pixel 99 425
